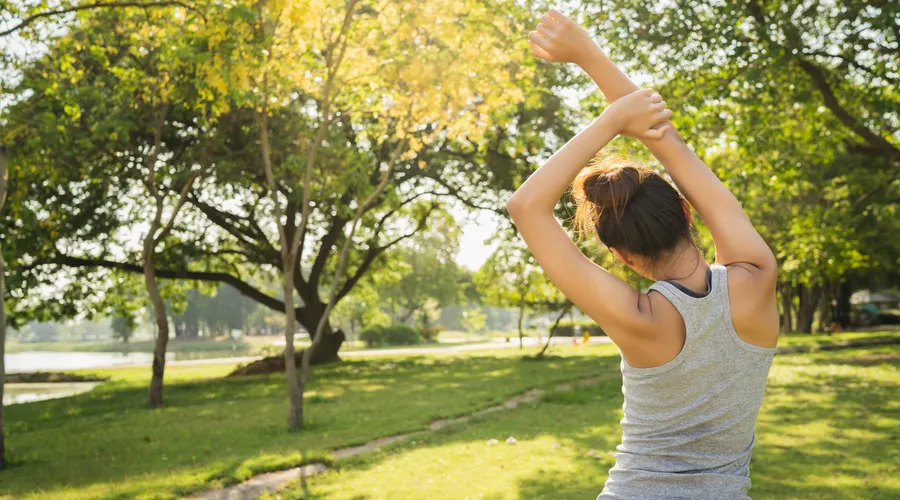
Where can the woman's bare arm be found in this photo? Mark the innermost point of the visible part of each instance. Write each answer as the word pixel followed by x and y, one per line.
pixel 612 303
pixel 558 38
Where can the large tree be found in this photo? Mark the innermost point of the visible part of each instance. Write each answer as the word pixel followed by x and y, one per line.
pixel 795 105
pixel 421 105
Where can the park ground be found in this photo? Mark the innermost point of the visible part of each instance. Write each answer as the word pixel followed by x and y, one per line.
pixel 829 428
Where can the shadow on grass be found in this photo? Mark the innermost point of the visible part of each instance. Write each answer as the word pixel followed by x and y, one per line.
pixel 828 429
pixel 212 431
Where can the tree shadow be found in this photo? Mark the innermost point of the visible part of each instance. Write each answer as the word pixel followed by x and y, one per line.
pixel 217 426
pixel 822 433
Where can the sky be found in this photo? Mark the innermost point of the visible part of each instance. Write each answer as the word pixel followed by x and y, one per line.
pixel 478 227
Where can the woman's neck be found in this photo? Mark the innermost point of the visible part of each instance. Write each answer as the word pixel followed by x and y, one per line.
pixel 687 267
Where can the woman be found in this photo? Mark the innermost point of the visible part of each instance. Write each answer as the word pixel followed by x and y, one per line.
pixel 697 347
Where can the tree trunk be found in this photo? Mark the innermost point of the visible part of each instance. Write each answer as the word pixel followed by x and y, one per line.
pixel 844 290
pixel 2 341
pixel 3 183
pixel 295 391
pixel 809 301
pixel 787 305
pixel 521 317
pixel 155 393
pixel 553 328
pixel 325 352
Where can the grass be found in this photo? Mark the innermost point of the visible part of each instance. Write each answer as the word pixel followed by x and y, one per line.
pixel 828 428
pixel 104 444
pixel 829 423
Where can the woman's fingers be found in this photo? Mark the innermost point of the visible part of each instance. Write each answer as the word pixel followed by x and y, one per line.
pixel 559 16
pixel 656 133
pixel 662 116
pixel 539 52
pixel 549 21
pixel 659 106
pixel 655 97
pixel 539 40
pixel 545 30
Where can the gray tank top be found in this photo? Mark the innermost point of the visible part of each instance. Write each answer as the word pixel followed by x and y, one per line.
pixel 689 424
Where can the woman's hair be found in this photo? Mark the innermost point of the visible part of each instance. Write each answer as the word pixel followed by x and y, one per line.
pixel 632 208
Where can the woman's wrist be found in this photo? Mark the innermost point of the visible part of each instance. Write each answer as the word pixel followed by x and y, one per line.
pixel 590 55
pixel 609 119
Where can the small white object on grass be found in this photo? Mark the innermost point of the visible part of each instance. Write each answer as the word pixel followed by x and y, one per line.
pixel 556 446
pixel 492 442
pixel 511 440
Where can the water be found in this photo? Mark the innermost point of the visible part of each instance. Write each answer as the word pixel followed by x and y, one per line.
pixel 31 361
pixel 27 393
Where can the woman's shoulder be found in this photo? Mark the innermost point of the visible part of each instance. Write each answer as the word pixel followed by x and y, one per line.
pixel 754 310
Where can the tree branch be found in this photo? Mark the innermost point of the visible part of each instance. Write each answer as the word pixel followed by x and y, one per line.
pixel 98 5
pixel 245 288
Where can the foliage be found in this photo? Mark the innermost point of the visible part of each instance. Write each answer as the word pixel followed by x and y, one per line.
pixel 794 105
pixel 123 327
pixel 422 273
pixel 473 319
pixel 441 86
pixel 430 333
pixel 373 336
pixel 400 334
pixel 393 335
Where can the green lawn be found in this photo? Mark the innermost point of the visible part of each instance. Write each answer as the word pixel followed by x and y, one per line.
pixel 104 444
pixel 829 428
pixel 828 423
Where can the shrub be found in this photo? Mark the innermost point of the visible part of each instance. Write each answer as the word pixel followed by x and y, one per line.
pixel 373 336
pixel 400 334
pixel 567 328
pixel 430 333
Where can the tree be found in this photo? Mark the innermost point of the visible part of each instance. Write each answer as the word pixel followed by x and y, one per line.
pixel 123 327
pixel 402 151
pixel 3 186
pixel 793 104
pixel 473 319
pixel 511 277
pixel 422 271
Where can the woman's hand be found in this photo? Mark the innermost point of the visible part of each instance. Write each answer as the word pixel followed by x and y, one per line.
pixel 559 39
pixel 641 114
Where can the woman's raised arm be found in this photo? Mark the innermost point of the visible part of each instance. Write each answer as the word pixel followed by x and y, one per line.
pixel 612 303
pixel 559 39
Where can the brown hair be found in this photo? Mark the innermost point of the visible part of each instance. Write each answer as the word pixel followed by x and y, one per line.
pixel 631 208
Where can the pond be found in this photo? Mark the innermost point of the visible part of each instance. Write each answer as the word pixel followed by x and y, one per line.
pixel 30 361
pixel 27 393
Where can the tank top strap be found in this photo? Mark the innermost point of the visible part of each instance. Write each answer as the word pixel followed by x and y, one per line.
pixel 719 285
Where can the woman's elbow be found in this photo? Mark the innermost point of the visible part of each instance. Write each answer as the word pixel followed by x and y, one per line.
pixel 515 206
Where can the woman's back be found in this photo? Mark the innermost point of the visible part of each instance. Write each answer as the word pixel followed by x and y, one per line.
pixel 688 428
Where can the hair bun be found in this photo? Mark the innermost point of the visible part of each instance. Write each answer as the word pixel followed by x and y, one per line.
pixel 609 184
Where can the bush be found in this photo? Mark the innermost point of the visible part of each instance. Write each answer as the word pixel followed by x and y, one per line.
pixel 373 336
pixel 400 334
pixel 430 333
pixel 567 328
